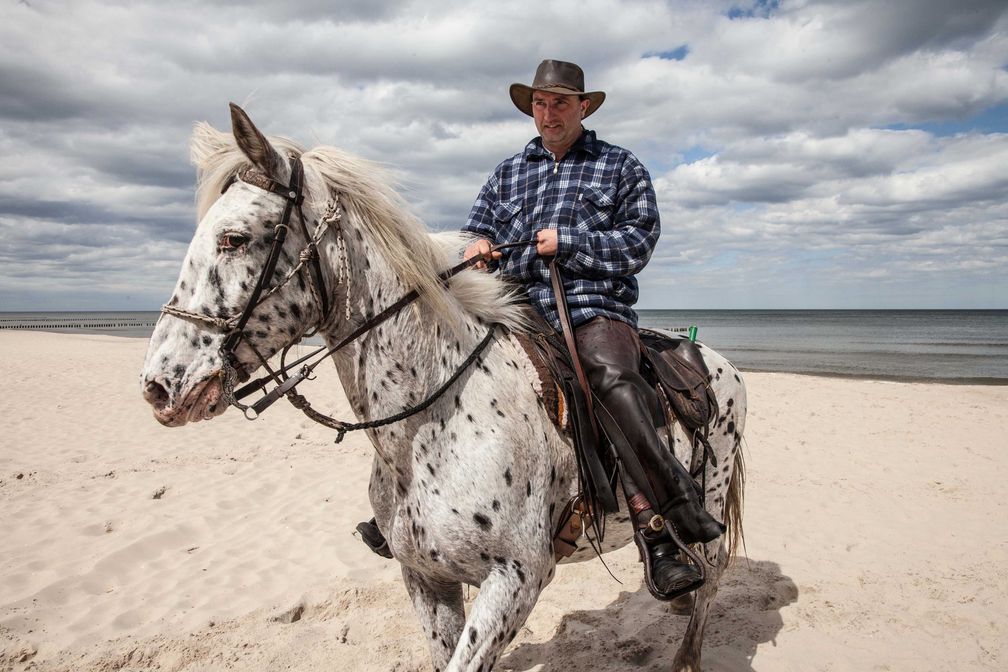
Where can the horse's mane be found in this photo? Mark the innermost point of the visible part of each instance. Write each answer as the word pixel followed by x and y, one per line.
pixel 367 197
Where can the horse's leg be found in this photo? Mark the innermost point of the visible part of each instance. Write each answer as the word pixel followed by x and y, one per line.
pixel 442 615
pixel 505 599
pixel 687 658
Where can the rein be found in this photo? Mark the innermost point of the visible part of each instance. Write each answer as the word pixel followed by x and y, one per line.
pixel 286 387
pixel 293 194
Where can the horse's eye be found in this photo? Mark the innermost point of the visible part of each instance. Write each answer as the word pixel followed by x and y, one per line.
pixel 232 241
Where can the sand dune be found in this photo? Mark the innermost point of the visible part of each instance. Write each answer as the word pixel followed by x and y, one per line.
pixel 876 536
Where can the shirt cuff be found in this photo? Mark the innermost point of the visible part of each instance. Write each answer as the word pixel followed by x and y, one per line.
pixel 568 242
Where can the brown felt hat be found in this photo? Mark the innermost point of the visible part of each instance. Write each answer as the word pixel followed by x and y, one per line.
pixel 555 77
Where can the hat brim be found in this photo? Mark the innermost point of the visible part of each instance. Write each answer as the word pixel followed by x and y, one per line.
pixel 521 96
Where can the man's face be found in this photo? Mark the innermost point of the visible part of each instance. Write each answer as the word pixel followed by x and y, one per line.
pixel 558 119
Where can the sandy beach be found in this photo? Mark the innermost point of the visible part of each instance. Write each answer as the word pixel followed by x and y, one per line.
pixel 876 531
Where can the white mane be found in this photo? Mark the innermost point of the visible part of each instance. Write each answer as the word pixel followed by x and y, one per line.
pixel 369 201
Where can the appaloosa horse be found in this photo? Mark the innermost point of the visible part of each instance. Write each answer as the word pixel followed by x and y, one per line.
pixel 468 490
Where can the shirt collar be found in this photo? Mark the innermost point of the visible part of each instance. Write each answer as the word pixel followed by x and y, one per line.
pixel 586 143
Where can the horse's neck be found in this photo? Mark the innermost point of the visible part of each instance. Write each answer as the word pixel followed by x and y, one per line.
pixel 400 362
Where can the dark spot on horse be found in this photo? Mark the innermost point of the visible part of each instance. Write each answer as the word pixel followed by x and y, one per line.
pixel 500 560
pixel 731 427
pixel 433 555
pixel 499 413
pixel 528 488
pixel 484 557
pixel 430 468
pixel 507 476
pixel 260 334
pixel 194 342
pixel 179 370
pixel 552 475
pixel 469 416
pixel 458 402
pixel 482 521
pixel 495 505
pixel 182 284
pixel 207 340
pixel 472 635
pixel 731 402
pixel 262 318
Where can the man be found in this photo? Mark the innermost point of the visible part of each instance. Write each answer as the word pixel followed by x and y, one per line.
pixel 591 206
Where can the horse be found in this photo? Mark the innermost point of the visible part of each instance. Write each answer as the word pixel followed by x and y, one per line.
pixel 470 488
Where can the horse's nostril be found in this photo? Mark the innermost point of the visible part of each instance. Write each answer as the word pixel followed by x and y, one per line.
pixel 155 394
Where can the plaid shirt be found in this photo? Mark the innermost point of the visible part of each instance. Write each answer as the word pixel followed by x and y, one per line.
pixel 599 199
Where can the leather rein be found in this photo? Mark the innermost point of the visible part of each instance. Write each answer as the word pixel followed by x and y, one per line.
pixel 293 194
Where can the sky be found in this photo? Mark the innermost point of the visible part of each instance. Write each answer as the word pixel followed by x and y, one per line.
pixel 807 154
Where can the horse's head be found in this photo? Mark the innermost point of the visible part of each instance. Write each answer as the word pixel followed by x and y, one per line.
pixel 243 193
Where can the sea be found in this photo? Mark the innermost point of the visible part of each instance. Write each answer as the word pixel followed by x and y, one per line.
pixel 952 346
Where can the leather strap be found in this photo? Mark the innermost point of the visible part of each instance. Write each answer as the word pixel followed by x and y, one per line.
pixel 568 332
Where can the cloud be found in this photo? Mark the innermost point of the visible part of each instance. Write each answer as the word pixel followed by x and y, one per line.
pixel 792 144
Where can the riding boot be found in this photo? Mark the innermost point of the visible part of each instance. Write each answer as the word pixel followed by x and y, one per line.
pixel 610 353
pixel 674 488
pixel 682 507
pixel 373 538
pixel 665 575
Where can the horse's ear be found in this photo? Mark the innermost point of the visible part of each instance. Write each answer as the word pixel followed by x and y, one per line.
pixel 253 143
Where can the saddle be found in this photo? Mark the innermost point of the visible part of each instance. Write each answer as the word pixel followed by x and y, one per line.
pixel 676 370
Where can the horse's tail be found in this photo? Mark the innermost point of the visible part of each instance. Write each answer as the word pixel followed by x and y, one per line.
pixel 734 500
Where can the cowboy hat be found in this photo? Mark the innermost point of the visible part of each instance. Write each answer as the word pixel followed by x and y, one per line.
pixel 555 77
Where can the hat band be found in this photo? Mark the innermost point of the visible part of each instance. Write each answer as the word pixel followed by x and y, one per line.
pixel 558 86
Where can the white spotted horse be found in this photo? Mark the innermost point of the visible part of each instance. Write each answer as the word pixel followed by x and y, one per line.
pixel 469 486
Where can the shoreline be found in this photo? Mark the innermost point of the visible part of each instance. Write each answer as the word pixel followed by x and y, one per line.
pixel 981 382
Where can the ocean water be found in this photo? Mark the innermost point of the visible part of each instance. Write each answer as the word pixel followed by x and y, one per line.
pixel 927 345
pixel 948 345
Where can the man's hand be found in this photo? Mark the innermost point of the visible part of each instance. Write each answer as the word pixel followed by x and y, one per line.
pixel 480 248
pixel 546 242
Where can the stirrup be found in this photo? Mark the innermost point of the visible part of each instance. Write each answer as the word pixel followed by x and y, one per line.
pixel 374 539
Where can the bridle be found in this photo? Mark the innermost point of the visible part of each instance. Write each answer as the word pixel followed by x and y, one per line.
pixel 285 378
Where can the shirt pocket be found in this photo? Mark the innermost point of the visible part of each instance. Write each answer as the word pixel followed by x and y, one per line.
pixel 506 214
pixel 597 208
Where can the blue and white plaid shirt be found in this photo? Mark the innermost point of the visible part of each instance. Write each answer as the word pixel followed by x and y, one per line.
pixel 600 200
